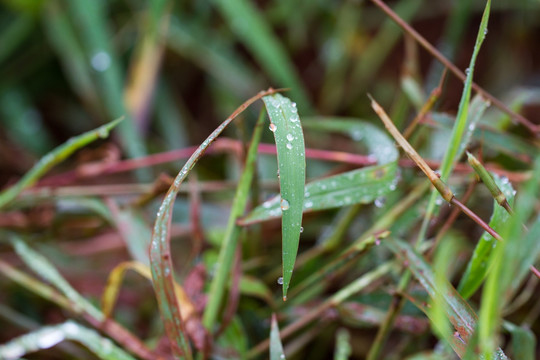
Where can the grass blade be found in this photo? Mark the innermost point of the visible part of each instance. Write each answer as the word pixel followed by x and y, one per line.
pixel 43 267
pixel 450 156
pixel 477 268
pixel 343 345
pixel 160 250
pixel 285 124
pixel 95 38
pixel 276 348
pixel 523 341
pixel 458 311
pixel 50 336
pixel 54 157
pixel 253 29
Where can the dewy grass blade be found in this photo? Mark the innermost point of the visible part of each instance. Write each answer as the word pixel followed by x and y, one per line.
pixel 160 250
pixel 478 265
pixel 232 232
pixel 276 348
pixel 460 125
pixel 50 336
pixel 54 157
pixel 285 124
pixel 359 186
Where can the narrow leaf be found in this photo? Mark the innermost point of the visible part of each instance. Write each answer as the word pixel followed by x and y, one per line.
pixel 276 348
pixel 477 267
pixel 49 336
pixel 56 156
pixel 285 124
pixel 458 311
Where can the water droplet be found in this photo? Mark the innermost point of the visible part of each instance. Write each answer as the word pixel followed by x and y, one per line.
pixel 467 71
pixel 301 229
pixel 485 31
pixel 439 201
pixel 294 118
pixel 280 280
pixel 282 356
pixel 103 133
pixel 471 127
pixel 379 202
pixel 273 127
pixel 289 146
pixel 290 137
pixel 357 135
pixel 101 61
pixel 293 104
pixel 284 205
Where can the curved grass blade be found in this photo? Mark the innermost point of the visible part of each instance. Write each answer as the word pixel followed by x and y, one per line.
pixel 49 336
pixel 477 267
pixel 276 348
pixel 458 310
pixel 450 156
pixel 160 250
pixel 285 124
pixel 232 232
pixel 360 186
pixel 54 157
pixel 255 32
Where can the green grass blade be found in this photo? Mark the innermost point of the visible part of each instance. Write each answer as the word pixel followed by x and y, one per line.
pixel 458 311
pixel 54 157
pixel 276 348
pixel 43 267
pixel 49 336
pixel 22 121
pixel 507 259
pixel 61 34
pixel 343 345
pixel 523 341
pixel 95 37
pixel 214 57
pixel 285 124
pixel 232 232
pixel 253 29
pixel 360 186
pixel 460 125
pixel 477 268
pixel 14 34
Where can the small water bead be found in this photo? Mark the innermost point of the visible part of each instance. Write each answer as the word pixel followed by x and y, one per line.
pixel 290 137
pixel 272 127
pixel 100 61
pixel 284 205
pixel 301 229
pixel 467 71
pixel 289 146
pixel 379 202
pixel 280 280
pixel 294 118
